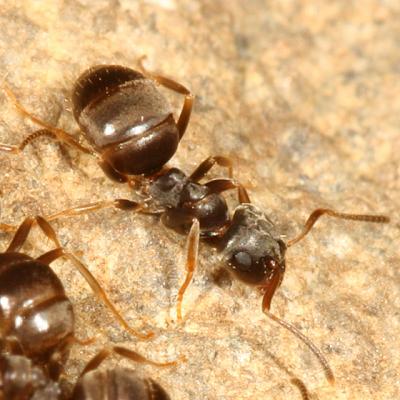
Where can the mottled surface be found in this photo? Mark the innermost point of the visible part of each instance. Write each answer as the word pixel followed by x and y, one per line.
pixel 304 96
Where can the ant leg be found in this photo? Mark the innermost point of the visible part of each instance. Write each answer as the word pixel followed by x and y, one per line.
pixel 186 111
pixel 48 130
pixel 208 163
pixel 53 255
pixel 20 235
pixel 124 352
pixel 122 204
pixel 314 216
pixel 220 185
pixel 191 263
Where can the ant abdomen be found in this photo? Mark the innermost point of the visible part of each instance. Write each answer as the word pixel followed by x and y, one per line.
pixel 21 380
pixel 36 316
pixel 116 384
pixel 125 118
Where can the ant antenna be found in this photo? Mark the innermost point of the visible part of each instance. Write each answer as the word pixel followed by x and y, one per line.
pixel 316 214
pixel 317 352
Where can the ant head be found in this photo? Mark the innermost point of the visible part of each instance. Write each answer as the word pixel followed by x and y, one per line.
pixel 253 269
pixel 253 252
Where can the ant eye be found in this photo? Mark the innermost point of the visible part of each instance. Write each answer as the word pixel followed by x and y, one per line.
pixel 242 261
pixel 251 269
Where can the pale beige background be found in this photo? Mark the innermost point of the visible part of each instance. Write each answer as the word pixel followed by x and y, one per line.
pixel 304 96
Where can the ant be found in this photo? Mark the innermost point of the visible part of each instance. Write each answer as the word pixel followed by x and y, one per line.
pixel 134 146
pixel 37 330
pixel 250 247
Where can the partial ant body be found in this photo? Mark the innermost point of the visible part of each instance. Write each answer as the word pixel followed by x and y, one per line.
pixel 36 316
pixel 127 122
pixel 249 245
pixel 37 331
pixel 20 379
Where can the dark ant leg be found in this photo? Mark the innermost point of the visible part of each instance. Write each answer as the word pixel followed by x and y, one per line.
pixel 19 239
pixel 314 216
pixel 124 352
pixel 48 130
pixel 208 163
pixel 220 185
pixel 191 263
pixel 184 117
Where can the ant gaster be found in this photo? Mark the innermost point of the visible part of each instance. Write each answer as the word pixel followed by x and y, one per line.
pixel 37 331
pixel 127 122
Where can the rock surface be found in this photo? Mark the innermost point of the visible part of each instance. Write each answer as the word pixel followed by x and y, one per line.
pixel 304 96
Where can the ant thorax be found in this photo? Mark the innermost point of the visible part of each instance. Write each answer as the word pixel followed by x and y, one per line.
pixel 185 200
pixel 251 247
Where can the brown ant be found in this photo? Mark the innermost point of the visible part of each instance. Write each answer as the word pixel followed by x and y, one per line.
pixel 250 246
pixel 37 330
